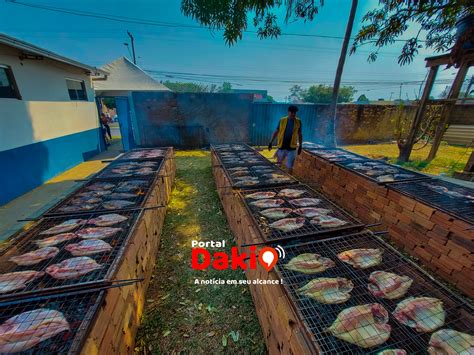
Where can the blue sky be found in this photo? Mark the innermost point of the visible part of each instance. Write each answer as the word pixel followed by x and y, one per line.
pixel 277 63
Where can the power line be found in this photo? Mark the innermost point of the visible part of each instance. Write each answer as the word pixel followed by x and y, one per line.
pixel 133 20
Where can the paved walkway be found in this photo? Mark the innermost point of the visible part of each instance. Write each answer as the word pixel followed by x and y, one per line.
pixel 37 201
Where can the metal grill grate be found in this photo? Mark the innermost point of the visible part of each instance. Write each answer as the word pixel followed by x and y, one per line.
pixel 136 169
pixel 26 242
pixel 231 147
pixel 146 154
pixel 310 145
pixel 78 311
pixel 99 196
pixel 336 155
pixel 445 196
pixel 258 176
pixel 244 158
pixel 318 316
pixel 270 234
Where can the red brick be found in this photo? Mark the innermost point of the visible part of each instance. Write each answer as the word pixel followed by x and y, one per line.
pixel 407 203
pixel 423 221
pixel 461 224
pixel 443 265
pixel 442 219
pixel 462 241
pixel 453 263
pixel 433 251
pixel 422 253
pixel 393 196
pixel 424 210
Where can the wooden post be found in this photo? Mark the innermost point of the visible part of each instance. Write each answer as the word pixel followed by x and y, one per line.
pixel 453 95
pixel 405 151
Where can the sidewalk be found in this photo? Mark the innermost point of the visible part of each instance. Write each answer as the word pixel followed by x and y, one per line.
pixel 34 203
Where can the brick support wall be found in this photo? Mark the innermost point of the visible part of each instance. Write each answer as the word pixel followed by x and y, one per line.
pixel 441 242
pixel 117 321
pixel 283 331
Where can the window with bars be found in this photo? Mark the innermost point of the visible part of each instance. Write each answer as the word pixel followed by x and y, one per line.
pixel 76 89
pixel 8 87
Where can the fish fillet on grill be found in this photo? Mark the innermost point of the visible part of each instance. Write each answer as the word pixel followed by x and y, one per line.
pixel 288 224
pixel 365 326
pixel 88 247
pixel 117 204
pixel 387 285
pixel 328 221
pixel 424 314
pixel 94 193
pixel 66 226
pixel 309 263
pixel 107 220
pixel 25 330
pixel 291 193
pixel 328 290
pixel 17 280
pixel 100 186
pixel 261 195
pixel 361 258
pixel 451 342
pixel 311 212
pixel 77 207
pixel 267 203
pixel 392 352
pixel 97 232
pixel 120 196
pixel 55 239
pixel 72 268
pixel 276 213
pixel 305 202
pixel 34 257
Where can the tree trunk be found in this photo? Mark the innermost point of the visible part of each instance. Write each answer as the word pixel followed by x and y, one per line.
pixel 331 128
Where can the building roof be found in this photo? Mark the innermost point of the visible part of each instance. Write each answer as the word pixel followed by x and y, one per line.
pixel 30 49
pixel 126 76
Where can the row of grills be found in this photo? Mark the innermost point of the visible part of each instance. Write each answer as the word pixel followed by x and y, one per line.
pixel 329 241
pixel 50 312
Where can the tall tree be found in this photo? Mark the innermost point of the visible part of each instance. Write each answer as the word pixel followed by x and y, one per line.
pixel 320 94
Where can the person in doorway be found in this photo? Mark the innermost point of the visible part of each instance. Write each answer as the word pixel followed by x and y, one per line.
pixel 289 138
pixel 105 123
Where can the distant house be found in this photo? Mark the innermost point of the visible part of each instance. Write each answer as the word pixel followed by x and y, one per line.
pixel 123 78
pixel 48 116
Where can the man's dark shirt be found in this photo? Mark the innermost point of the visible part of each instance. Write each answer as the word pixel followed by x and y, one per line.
pixel 290 124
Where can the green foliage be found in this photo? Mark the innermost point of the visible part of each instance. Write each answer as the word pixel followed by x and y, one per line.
pixel 388 22
pixel 362 98
pixel 320 94
pixel 226 87
pixel 109 102
pixel 177 86
pixel 270 98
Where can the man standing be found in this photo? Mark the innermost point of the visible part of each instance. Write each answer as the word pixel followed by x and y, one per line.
pixel 289 134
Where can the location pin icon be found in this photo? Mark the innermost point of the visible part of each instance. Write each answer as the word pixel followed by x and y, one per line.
pixel 268 257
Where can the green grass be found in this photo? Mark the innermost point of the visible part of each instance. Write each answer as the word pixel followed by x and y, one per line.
pixel 448 160
pixel 181 317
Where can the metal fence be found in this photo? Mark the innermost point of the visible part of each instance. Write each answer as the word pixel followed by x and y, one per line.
pixel 265 117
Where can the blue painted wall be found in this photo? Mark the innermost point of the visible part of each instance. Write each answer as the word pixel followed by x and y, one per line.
pixel 27 167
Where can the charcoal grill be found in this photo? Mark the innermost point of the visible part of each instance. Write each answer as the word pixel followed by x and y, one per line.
pixel 311 145
pixel 244 158
pixel 231 147
pixel 25 242
pixel 317 317
pixel 457 206
pixel 79 310
pixel 308 229
pixel 258 172
pixel 141 196
pixel 107 172
pixel 336 155
pixel 131 154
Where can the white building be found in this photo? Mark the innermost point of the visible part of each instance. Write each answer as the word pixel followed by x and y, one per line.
pixel 48 115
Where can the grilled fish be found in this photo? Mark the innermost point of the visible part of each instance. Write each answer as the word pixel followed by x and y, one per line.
pixel 451 342
pixel 238 168
pixel 117 204
pixel 311 212
pixel 291 193
pixel 107 220
pixel 246 183
pixel 25 330
pixel 88 247
pixel 308 263
pixel 365 326
pixel 66 226
pixel 288 224
pixel 276 213
pixel 94 193
pixel 72 268
pixel 387 285
pixel 361 258
pixel 77 207
pixel 120 196
pixel 132 185
pixel 239 173
pixel 17 280
pixel 34 257
pixel 267 203
pixel 424 314
pixel 278 180
pixel 55 239
pixel 261 195
pixel 328 290
pixel 100 186
pixel 385 178
pixel 97 232
pixel 328 221
pixel 305 202
pixel 393 352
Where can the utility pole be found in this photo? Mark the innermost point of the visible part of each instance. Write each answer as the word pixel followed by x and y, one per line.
pixel 133 47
